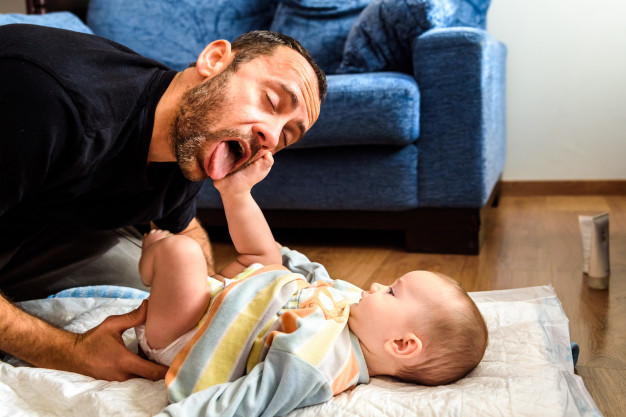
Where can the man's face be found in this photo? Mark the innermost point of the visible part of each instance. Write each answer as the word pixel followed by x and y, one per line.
pixel 233 118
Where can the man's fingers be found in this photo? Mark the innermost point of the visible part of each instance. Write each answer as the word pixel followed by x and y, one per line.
pixel 131 319
pixel 146 369
pixel 138 366
pixel 138 315
pixel 101 352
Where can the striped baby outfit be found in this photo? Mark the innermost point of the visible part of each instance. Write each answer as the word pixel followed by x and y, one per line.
pixel 271 342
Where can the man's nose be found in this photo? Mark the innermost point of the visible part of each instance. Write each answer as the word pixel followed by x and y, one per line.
pixel 268 137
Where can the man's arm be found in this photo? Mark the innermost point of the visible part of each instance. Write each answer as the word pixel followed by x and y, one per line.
pixel 195 231
pixel 99 353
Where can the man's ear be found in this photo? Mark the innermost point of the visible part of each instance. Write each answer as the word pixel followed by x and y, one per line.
pixel 406 347
pixel 214 58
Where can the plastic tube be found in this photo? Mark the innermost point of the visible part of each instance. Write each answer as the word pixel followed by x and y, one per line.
pixel 595 239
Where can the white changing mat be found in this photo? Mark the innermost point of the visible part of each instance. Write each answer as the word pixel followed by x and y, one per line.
pixel 527 371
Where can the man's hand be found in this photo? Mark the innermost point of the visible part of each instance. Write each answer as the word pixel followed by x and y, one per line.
pixel 101 352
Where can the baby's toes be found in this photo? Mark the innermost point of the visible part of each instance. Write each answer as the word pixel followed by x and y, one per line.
pixel 155 234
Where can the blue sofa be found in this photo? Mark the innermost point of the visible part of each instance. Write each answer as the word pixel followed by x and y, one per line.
pixel 411 136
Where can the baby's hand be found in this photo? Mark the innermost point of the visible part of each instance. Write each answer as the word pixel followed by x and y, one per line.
pixel 245 179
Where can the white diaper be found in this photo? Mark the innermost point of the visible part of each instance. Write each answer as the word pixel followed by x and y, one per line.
pixel 166 355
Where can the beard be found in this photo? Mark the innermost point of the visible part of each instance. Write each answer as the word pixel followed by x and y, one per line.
pixel 194 126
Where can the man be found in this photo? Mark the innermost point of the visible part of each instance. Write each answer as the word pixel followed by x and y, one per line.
pixel 97 138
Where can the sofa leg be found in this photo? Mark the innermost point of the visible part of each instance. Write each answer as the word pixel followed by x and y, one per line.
pixel 495 195
pixel 465 242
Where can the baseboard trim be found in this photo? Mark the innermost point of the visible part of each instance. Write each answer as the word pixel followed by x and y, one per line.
pixel 541 188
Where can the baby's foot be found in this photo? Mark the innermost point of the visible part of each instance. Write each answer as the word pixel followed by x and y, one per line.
pixel 154 235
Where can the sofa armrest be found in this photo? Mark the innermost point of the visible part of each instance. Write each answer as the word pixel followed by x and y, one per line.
pixel 461 76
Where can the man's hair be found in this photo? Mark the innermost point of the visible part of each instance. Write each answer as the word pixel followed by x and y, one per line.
pixel 263 43
pixel 455 340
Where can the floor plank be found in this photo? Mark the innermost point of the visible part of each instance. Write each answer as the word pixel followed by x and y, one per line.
pixel 606 387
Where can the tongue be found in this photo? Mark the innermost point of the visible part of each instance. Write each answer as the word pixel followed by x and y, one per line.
pixel 222 162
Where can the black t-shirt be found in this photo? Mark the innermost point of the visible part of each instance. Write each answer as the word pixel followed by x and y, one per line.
pixel 76 119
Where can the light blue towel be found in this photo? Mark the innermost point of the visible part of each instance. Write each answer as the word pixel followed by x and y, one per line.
pixel 102 291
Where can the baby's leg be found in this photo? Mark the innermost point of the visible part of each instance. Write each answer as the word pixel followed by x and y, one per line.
pixel 146 262
pixel 179 295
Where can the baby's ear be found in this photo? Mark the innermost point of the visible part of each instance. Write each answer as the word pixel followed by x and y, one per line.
pixel 407 347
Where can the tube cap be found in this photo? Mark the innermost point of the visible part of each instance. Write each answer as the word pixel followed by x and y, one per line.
pixel 598 283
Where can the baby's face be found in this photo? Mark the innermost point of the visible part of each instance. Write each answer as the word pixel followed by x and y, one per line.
pixel 384 311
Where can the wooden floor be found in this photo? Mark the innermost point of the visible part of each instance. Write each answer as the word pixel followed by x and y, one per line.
pixel 531 240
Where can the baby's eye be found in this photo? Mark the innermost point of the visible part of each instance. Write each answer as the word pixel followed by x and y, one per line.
pixel 390 291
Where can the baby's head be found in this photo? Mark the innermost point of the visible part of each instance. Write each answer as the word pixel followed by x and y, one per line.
pixel 423 328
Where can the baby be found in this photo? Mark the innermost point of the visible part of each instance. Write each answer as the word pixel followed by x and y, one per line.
pixel 276 338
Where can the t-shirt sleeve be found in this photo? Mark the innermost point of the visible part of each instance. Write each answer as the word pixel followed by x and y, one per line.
pixel 179 218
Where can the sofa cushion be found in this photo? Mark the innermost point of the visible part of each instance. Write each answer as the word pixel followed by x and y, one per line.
pixel 61 20
pixel 348 178
pixel 381 38
pixel 367 109
pixel 320 25
pixel 471 13
pixel 174 32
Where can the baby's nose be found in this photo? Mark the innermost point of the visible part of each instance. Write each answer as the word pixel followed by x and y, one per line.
pixel 375 287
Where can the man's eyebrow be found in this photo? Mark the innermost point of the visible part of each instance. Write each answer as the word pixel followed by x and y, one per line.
pixel 292 95
pixel 294 103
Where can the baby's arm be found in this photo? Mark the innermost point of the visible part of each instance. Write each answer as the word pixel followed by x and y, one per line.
pixel 247 226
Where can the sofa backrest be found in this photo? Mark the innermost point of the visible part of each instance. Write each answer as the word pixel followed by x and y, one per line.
pixel 175 31
pixel 61 20
pixel 332 30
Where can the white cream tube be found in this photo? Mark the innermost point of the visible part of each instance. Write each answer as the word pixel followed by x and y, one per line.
pixel 595 240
